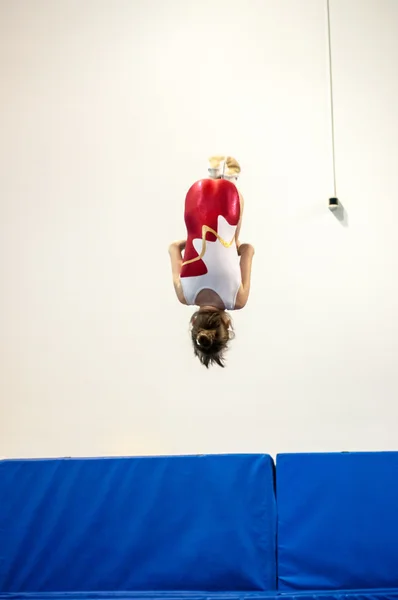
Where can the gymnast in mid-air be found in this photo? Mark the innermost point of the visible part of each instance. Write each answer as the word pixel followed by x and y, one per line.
pixel 211 268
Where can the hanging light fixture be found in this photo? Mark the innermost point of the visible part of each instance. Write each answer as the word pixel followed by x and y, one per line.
pixel 334 203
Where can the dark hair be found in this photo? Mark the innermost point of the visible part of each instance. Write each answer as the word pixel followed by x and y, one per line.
pixel 210 334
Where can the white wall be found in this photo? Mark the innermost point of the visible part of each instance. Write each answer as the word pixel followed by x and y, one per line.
pixel 108 111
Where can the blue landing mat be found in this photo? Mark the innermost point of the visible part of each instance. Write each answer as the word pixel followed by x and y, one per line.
pixel 159 523
pixel 338 595
pixel 337 521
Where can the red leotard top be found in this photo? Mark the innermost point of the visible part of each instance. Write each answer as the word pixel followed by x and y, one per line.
pixel 212 213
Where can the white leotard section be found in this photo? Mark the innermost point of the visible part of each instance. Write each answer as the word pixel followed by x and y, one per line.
pixel 223 269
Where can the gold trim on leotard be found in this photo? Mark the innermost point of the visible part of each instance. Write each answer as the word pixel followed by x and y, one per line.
pixel 207 229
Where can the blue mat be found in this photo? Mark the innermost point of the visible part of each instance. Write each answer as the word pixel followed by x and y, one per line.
pixel 337 521
pixel 338 595
pixel 162 523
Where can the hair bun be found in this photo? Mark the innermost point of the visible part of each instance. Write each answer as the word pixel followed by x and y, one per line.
pixel 204 339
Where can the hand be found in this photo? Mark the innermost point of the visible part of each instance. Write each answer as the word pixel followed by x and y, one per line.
pixel 245 249
pixel 179 245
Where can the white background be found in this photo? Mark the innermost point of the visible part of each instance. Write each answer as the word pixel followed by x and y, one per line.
pixel 108 112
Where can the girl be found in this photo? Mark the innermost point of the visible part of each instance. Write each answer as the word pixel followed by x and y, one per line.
pixel 214 273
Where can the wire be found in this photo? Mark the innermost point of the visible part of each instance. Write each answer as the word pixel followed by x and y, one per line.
pixel 331 99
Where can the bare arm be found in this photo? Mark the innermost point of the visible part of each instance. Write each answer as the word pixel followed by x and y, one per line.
pixel 246 252
pixel 175 252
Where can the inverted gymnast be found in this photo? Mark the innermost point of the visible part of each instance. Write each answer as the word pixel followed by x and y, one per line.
pixel 215 271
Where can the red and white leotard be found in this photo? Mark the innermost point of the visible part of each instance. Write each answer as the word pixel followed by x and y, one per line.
pixel 211 261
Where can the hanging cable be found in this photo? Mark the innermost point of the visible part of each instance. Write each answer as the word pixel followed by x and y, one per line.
pixel 331 99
